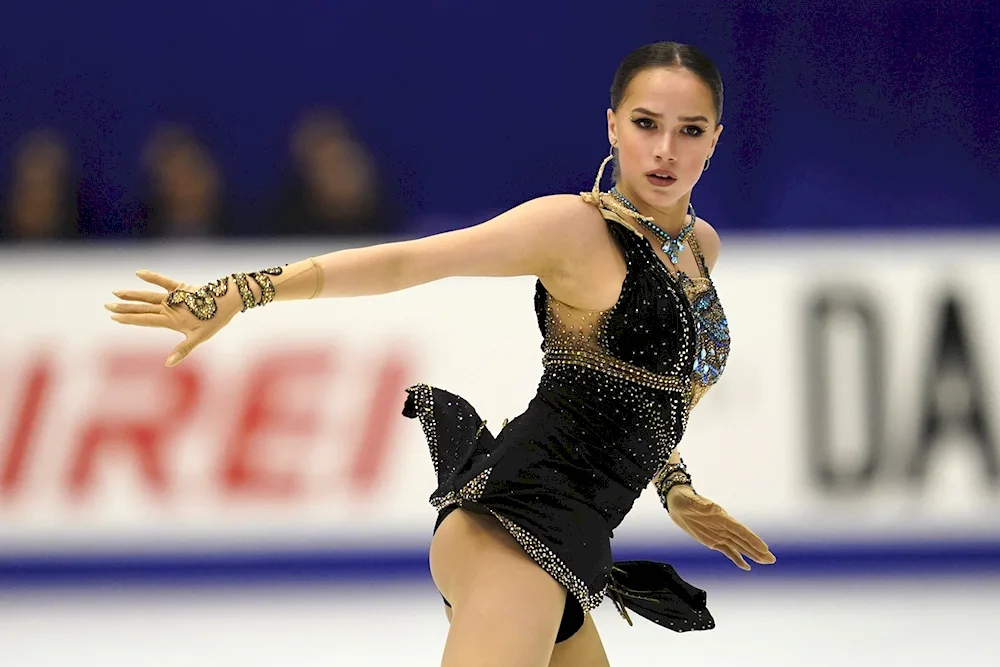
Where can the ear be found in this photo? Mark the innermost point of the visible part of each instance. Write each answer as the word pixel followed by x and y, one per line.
pixel 612 128
pixel 715 139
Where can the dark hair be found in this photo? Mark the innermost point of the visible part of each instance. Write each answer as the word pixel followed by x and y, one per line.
pixel 668 54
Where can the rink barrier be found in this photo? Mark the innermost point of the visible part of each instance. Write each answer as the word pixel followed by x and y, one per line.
pixel 962 559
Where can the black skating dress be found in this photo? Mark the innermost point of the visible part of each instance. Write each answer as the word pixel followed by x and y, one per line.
pixel 611 406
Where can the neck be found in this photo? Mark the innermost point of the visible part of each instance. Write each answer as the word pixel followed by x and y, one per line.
pixel 672 219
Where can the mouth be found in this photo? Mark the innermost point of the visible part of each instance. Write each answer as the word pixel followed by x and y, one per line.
pixel 661 178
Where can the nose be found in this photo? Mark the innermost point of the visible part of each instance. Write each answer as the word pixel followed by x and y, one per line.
pixel 666 147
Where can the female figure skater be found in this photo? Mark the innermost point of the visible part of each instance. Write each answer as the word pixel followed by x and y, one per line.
pixel 633 335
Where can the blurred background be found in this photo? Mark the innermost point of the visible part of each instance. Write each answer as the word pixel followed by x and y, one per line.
pixel 265 502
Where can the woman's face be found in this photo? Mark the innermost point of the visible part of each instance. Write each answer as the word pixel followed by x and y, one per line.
pixel 665 128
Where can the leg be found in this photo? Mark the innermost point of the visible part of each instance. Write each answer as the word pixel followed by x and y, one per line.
pixel 505 609
pixel 583 649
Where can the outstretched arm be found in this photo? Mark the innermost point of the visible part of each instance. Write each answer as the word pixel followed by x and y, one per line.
pixel 530 239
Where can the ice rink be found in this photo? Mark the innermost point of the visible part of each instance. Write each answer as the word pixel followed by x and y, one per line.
pixel 857 622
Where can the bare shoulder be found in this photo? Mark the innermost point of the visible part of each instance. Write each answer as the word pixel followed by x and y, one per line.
pixel 544 237
pixel 576 229
pixel 709 241
pixel 591 266
pixel 560 215
pixel 572 210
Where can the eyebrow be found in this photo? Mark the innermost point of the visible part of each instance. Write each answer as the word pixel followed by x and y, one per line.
pixel 683 119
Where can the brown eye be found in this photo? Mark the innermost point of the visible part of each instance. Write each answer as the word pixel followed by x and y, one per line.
pixel 693 131
pixel 644 123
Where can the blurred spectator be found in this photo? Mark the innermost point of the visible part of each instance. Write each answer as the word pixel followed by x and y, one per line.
pixel 41 202
pixel 334 188
pixel 185 187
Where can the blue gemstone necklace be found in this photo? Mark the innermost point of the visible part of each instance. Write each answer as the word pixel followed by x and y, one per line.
pixel 672 246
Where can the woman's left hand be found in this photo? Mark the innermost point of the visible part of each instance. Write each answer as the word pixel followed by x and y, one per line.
pixel 154 309
pixel 711 525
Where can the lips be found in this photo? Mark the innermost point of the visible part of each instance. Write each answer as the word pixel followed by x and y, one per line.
pixel 661 178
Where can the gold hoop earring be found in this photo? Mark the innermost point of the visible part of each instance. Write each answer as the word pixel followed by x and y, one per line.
pixel 600 171
pixel 594 196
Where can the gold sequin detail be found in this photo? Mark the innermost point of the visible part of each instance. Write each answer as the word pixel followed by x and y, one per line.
pixel 605 363
pixel 549 562
pixel 471 491
pixel 669 476
pixel 423 400
pixel 580 338
pixel 263 280
pixel 536 550
pixel 203 305
pixel 201 302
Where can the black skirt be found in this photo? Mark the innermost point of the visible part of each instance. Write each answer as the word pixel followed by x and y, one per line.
pixel 537 478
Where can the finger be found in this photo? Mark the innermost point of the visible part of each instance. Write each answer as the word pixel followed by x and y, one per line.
pixel 738 530
pixel 762 556
pixel 143 320
pixel 724 529
pixel 711 532
pixel 181 351
pixel 725 545
pixel 166 283
pixel 733 555
pixel 132 308
pixel 750 544
pixel 706 535
pixel 140 295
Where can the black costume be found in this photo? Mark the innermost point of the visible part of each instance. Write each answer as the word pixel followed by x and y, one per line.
pixel 611 406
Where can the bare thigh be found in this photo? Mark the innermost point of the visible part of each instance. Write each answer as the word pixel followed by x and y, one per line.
pixel 506 610
pixel 583 649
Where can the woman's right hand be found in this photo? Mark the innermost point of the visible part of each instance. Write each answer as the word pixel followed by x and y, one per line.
pixel 711 525
pixel 216 304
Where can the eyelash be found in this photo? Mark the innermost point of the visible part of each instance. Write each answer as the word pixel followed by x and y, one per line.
pixel 697 130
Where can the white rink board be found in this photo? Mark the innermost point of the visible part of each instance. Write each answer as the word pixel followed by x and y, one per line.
pixel 286 429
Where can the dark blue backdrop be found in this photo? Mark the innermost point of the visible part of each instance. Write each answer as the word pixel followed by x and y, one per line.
pixel 881 114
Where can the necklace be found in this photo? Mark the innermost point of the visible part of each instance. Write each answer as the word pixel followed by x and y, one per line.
pixel 672 246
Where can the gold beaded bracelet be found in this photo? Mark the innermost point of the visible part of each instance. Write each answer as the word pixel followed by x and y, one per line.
pixel 672 474
pixel 202 304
